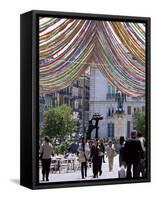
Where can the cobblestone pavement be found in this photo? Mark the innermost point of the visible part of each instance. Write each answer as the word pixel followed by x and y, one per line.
pixel 75 176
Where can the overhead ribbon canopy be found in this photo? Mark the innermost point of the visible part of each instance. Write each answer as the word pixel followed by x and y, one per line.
pixel 68 46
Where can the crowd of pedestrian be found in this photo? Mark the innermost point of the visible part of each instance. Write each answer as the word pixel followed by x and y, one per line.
pixel 132 156
pixel 94 151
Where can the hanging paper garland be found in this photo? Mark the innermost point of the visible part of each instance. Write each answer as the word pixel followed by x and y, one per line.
pixel 69 46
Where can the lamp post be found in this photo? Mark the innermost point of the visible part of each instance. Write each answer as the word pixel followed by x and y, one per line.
pixel 97 117
pixel 90 128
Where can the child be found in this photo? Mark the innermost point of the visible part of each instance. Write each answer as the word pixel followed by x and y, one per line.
pixel 110 153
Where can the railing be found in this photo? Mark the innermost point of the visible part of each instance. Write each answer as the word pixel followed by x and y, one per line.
pixel 110 96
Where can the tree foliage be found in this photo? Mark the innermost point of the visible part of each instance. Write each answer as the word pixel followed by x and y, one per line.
pixel 60 149
pixel 139 122
pixel 58 122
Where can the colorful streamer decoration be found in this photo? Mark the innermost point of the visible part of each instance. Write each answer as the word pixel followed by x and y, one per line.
pixel 68 46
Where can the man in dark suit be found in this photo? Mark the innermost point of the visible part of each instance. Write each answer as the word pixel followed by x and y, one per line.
pixel 132 154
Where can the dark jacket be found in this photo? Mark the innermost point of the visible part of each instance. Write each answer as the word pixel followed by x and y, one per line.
pixel 133 151
pixel 121 152
pixel 94 153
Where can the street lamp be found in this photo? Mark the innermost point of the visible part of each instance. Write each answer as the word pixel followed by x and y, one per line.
pixel 96 117
pixel 90 128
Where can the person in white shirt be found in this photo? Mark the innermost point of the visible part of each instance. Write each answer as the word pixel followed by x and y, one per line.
pixel 110 153
pixel 84 155
pixel 46 150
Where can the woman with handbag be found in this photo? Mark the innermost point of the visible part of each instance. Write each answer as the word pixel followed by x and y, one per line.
pixel 110 153
pixel 46 150
pixel 84 152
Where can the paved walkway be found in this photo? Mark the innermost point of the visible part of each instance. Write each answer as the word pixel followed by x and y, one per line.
pixel 75 176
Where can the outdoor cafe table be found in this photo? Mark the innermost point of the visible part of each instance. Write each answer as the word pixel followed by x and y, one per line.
pixel 57 160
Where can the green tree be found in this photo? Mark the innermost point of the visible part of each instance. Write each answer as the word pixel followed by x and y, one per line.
pixel 58 122
pixel 41 132
pixel 139 122
pixel 60 148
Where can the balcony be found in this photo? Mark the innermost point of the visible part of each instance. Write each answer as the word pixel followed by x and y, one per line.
pixel 111 96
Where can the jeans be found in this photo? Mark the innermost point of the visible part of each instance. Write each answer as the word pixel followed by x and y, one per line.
pixel 100 164
pixel 83 169
pixel 95 168
pixel 46 168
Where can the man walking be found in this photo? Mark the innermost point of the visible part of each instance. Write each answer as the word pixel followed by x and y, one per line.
pixel 132 154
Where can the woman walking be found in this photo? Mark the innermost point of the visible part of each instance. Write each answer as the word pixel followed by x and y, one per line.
pixel 46 150
pixel 84 152
pixel 110 153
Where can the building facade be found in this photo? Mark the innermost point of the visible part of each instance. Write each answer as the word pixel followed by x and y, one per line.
pixel 76 95
pixel 103 101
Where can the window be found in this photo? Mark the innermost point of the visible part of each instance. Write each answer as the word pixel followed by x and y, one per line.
pixel 112 111
pixel 76 104
pixel 65 100
pixel 109 112
pixel 111 130
pixel 128 129
pixel 109 89
pixel 129 110
pixel 113 90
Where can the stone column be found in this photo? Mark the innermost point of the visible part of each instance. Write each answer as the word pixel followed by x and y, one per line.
pixel 120 125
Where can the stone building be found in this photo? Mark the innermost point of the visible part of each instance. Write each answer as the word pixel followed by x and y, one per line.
pixel 102 101
pixel 76 95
